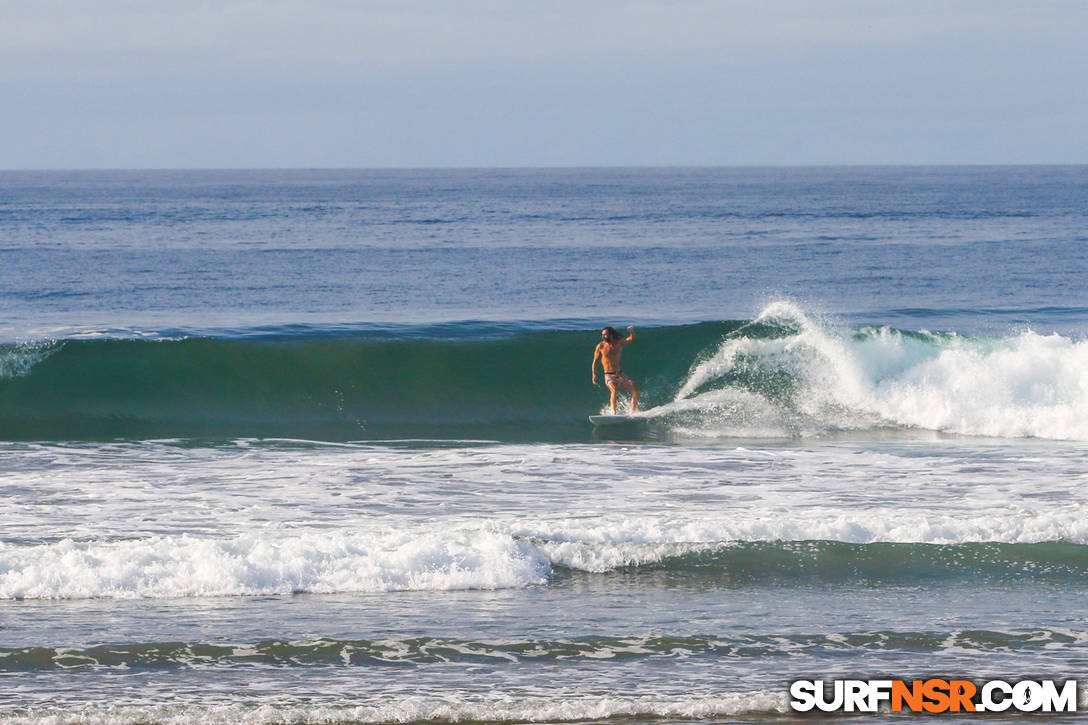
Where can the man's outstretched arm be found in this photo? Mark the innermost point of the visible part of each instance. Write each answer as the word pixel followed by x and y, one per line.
pixel 630 334
pixel 593 365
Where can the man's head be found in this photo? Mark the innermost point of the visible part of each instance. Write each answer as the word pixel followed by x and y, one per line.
pixel 609 334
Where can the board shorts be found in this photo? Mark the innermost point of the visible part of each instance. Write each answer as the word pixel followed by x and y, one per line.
pixel 617 378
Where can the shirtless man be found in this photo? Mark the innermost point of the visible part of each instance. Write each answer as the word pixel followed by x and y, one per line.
pixel 608 352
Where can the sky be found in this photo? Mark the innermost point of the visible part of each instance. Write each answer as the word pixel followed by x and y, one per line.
pixel 481 83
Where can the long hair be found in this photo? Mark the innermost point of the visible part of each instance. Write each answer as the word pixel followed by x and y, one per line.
pixel 610 334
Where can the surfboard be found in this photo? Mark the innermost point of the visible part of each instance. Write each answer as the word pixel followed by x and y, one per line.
pixel 613 419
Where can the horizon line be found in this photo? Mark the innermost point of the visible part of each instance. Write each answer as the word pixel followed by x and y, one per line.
pixel 556 167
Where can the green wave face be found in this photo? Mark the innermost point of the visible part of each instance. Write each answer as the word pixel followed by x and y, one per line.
pixel 818 562
pixel 534 385
pixel 782 375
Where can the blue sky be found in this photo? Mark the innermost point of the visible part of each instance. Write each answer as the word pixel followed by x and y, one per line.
pixel 326 83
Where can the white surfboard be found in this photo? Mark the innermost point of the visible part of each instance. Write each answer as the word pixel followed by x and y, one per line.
pixel 613 419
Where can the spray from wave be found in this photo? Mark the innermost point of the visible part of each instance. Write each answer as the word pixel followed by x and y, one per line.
pixel 786 375
pixel 17 359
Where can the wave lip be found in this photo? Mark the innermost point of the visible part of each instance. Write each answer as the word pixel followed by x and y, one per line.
pixel 739 563
pixel 610 543
pixel 17 360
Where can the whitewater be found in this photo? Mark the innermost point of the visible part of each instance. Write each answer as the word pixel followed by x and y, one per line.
pixel 1022 385
pixel 251 519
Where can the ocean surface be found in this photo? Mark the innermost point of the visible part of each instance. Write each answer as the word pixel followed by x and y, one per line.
pixel 312 446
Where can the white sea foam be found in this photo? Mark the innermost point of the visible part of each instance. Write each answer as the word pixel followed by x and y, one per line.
pixel 126 520
pixel 488 555
pixel 269 563
pixel 607 545
pixel 1028 385
pixel 103 492
pixel 450 708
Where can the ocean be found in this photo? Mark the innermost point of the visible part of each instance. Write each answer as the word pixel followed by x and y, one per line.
pixel 312 446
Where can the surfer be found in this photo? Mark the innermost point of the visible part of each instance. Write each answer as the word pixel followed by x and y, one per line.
pixel 608 352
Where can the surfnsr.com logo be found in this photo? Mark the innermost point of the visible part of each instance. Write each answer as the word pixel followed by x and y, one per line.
pixel 933 696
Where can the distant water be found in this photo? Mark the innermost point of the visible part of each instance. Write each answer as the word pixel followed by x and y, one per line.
pixel 311 446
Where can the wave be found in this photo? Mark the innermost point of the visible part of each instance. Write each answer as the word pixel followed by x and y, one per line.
pixel 740 563
pixel 478 382
pixel 805 378
pixel 449 708
pixel 269 563
pixel 782 374
pixel 274 562
pixel 433 650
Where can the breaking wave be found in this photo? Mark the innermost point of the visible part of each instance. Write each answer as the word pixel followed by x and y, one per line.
pixel 730 553
pixel 795 377
pixel 782 374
